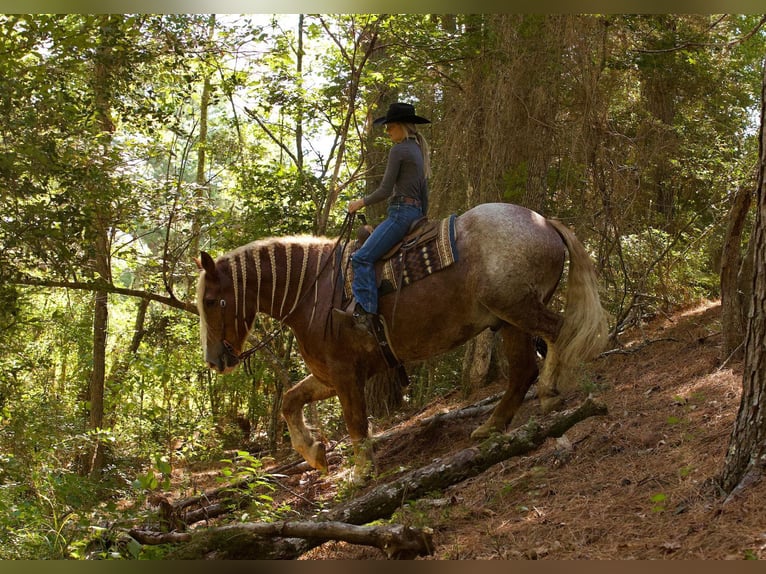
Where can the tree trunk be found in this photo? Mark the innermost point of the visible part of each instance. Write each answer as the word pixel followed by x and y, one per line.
pixel 746 455
pixel 299 112
pixel 365 44
pixel 101 97
pixel 733 311
pixel 745 282
pixel 201 179
pixel 255 540
pixel 659 90
pixel 477 361
pixel 97 377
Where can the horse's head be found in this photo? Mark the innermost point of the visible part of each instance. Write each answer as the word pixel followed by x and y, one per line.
pixel 221 339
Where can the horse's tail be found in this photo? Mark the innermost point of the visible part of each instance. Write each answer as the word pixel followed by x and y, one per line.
pixel 585 329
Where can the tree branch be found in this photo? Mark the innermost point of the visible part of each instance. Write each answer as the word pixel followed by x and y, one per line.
pixel 384 500
pixel 271 135
pixel 110 288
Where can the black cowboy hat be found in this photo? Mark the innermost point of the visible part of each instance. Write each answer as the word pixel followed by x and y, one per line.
pixel 402 113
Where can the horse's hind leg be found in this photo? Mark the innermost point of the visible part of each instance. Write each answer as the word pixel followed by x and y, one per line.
pixel 520 349
pixel 305 392
pixel 550 377
pixel 530 315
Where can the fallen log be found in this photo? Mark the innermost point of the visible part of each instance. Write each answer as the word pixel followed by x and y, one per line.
pixel 383 500
pixel 249 540
pixel 475 410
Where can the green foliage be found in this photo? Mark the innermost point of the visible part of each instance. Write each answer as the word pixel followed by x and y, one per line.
pixel 435 378
pixel 158 476
pixel 47 512
pixel 247 478
pixel 658 502
pixel 662 271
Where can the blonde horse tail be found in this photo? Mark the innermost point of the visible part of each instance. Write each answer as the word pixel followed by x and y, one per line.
pixel 585 329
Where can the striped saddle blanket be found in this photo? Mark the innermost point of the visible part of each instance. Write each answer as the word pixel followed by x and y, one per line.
pixel 431 247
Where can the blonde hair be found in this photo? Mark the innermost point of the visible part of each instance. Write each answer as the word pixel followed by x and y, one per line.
pixel 412 130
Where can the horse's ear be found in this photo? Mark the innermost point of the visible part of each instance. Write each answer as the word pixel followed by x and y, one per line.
pixel 206 262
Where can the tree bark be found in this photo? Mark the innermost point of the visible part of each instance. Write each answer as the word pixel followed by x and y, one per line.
pixel 365 44
pixel 733 312
pixel 384 500
pixel 477 361
pixel 201 178
pixel 746 455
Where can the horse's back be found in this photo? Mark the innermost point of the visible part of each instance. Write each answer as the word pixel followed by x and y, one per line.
pixel 511 241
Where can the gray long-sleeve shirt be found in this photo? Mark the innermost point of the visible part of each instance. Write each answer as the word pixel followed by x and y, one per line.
pixel 404 175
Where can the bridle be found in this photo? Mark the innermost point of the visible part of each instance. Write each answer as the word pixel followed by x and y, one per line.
pixel 244 357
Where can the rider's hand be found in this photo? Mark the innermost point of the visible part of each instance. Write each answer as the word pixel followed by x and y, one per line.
pixel 355 205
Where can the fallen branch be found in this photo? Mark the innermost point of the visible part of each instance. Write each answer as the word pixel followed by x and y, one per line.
pixel 211 509
pixel 637 348
pixel 477 409
pixel 396 541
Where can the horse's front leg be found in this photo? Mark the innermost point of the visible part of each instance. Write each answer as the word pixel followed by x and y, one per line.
pixel 351 396
pixel 305 392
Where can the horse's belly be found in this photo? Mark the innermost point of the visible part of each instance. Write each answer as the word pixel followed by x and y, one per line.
pixel 430 328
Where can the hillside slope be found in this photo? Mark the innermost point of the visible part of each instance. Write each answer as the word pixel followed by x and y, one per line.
pixel 636 484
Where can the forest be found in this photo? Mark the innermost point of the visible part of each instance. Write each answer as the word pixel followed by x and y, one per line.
pixel 131 142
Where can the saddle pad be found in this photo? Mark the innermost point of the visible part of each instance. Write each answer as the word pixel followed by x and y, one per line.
pixel 413 260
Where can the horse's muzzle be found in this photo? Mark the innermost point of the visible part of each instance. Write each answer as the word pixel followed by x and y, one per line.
pixel 226 361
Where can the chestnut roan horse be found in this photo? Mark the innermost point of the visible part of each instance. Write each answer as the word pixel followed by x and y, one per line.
pixel 510 261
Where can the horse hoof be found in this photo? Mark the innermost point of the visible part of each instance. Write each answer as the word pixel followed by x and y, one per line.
pixel 484 431
pixel 320 458
pixel 480 434
pixel 550 404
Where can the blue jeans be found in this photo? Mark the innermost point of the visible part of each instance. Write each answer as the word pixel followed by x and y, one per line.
pixel 390 232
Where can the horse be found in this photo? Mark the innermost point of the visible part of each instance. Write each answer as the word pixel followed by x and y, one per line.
pixel 510 263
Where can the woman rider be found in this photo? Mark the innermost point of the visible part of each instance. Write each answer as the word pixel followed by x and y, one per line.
pixel 405 186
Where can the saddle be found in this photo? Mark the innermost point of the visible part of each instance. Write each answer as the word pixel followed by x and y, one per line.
pixel 428 247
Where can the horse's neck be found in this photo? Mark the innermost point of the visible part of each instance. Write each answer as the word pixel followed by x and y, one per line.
pixel 274 277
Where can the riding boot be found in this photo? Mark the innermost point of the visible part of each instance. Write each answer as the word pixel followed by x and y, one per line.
pixel 347 312
pixel 355 312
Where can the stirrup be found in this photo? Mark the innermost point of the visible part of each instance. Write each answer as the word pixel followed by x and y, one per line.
pixel 356 313
pixel 363 320
pixel 346 313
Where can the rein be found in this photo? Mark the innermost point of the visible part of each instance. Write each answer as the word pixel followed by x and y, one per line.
pixel 344 237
